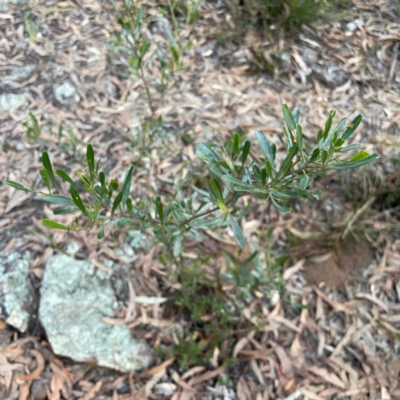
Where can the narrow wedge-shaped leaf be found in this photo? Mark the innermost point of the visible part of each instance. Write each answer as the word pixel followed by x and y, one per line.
pixel 279 195
pixel 305 181
pixel 16 185
pixel 160 209
pixel 265 147
pixel 101 233
pixel 62 211
pixel 314 155
pixel 296 115
pixel 360 156
pixel 207 154
pixel 65 176
pixel 354 164
pixel 328 123
pixel 90 160
pixel 58 199
pixel 102 178
pixel 47 165
pixel 126 187
pixel 117 202
pixel 339 127
pixel 216 191
pixel 237 231
pixel 352 127
pixel 280 207
pixel 230 180
pixel 78 201
pixel 287 162
pixel 290 122
pixel 350 147
pixel 178 245
pixel 246 150
pixel 299 133
pixel 235 145
pixel 45 177
pixel 53 224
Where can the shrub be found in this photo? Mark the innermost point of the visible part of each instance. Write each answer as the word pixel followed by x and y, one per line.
pixel 289 14
pixel 100 200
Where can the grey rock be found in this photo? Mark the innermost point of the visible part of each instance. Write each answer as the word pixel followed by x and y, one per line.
pixel 75 296
pixel 3 4
pixel 11 102
pixel 65 93
pixel 331 76
pixel 16 293
pixel 23 71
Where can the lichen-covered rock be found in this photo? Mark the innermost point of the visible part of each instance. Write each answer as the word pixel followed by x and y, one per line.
pixel 16 293
pixel 75 296
pixel 11 102
pixel 66 94
pixel 23 71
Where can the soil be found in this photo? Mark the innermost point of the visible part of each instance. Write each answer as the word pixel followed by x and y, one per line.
pixel 336 268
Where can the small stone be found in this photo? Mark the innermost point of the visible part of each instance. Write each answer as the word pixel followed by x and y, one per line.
pixel 351 26
pixel 66 94
pixel 23 71
pixel 16 293
pixel 11 102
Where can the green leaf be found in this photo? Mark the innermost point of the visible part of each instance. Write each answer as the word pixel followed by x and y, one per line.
pixel 47 165
pixel 53 224
pixel 237 231
pixel 235 145
pixel 290 122
pixel 263 176
pixel 101 233
pixel 352 127
pixel 314 155
pixel 246 151
pixel 257 172
pixel 265 147
pixel 126 187
pixel 354 164
pixel 287 163
pixel 324 156
pixel 45 177
pixel 207 154
pixel 160 209
pixel 328 123
pixel 113 184
pixel 78 201
pixel 16 185
pixel 280 207
pixel 216 192
pixel 269 169
pixel 129 205
pixel 63 211
pixel 240 185
pixel 279 195
pixel 350 147
pixel 178 245
pixel 117 201
pixel 65 176
pixel 319 136
pixel 305 181
pixel 296 116
pixel 360 156
pixel 102 179
pixel 90 160
pixel 58 199
pixel 299 133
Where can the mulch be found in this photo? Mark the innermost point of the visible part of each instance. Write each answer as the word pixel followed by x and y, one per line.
pixel 316 341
